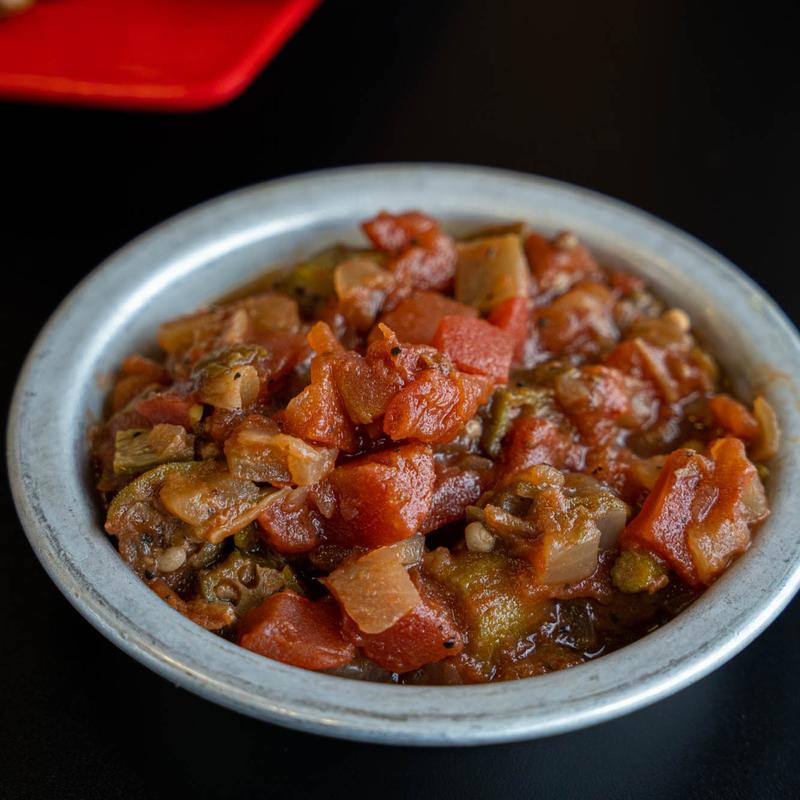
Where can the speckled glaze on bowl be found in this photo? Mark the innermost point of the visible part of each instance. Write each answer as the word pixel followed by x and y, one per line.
pixel 205 252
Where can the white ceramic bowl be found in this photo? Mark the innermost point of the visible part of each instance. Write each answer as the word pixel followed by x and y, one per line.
pixel 205 252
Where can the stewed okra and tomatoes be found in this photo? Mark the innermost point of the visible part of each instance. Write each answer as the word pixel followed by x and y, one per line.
pixel 429 460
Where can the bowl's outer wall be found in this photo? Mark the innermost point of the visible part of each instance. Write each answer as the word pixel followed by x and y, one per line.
pixel 206 252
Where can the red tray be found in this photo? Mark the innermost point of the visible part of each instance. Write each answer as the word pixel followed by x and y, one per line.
pixel 145 54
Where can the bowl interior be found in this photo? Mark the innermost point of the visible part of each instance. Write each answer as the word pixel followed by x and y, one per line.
pixel 205 253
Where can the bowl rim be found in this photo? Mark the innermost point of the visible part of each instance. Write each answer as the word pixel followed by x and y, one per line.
pixel 651 668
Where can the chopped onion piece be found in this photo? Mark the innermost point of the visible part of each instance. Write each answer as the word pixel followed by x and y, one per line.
pixel 213 502
pixel 232 388
pixel 611 523
pixel 570 556
pixel 607 510
pixel 356 274
pixel 657 370
pixel 375 590
pixel 271 313
pixel 256 451
pixel 361 286
pixel 410 551
pixel 490 271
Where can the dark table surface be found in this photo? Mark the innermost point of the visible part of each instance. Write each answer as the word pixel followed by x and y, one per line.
pixel 689 110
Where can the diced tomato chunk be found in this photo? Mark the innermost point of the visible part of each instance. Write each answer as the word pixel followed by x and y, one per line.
pixel 534 440
pixel 733 416
pixel 719 534
pixel 512 317
pixel 317 413
pixel 365 386
pixel 172 408
pixel 626 283
pixel 456 488
pixel 579 320
pixel 395 232
pixel 620 469
pixel 416 318
pixel 382 497
pixel 435 406
pixel 221 423
pixel 661 524
pixel 475 346
pixel 600 399
pixel 429 267
pixel 289 525
pixel 297 631
pixel 426 634
pixel 698 513
pixel 422 257
pixel 323 340
pixel 559 263
pixel 284 352
pixel 674 371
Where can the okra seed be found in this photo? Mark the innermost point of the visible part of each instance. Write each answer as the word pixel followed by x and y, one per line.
pixel 478 538
pixel 171 559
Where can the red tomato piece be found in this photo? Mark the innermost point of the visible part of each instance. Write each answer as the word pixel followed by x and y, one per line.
pixel 718 534
pixel 579 320
pixel 393 233
pixel 512 316
pixel 323 340
pixel 292 629
pixel 698 513
pixel 456 488
pixel 661 524
pixel 560 263
pixel 432 266
pixel 595 398
pixel 733 416
pixel 475 346
pixel 367 384
pixel 317 414
pixel 283 353
pixel 364 388
pixel 599 400
pixel 614 466
pixel 435 406
pixel 626 283
pixel 422 257
pixel 382 497
pixel 533 441
pixel 675 372
pixel 221 423
pixel 416 318
pixel 289 525
pixel 426 634
pixel 137 373
pixel 170 407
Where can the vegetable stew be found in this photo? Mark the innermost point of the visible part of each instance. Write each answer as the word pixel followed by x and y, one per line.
pixel 433 461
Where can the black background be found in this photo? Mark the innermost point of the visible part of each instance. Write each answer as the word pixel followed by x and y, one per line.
pixel 687 109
